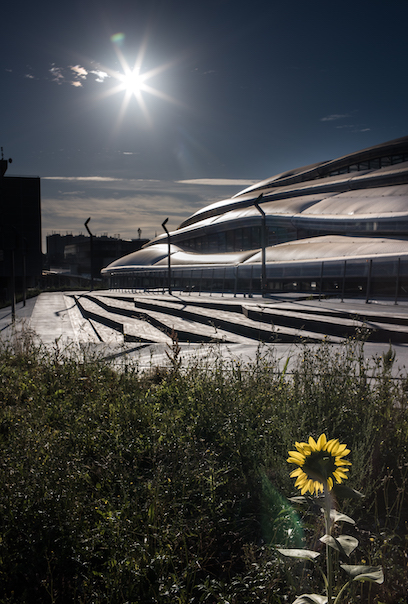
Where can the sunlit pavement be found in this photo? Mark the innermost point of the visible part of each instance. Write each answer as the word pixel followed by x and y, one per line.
pixel 54 320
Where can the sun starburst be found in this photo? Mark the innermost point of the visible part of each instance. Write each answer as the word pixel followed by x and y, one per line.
pixel 134 81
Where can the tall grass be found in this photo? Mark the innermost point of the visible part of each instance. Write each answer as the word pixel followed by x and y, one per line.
pixel 172 485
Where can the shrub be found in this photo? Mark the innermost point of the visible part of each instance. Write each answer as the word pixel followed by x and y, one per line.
pixel 172 485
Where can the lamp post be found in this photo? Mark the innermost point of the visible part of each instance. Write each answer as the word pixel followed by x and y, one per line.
pixel 90 250
pixel 168 254
pixel 263 243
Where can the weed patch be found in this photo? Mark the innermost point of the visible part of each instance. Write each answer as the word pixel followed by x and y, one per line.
pixel 172 486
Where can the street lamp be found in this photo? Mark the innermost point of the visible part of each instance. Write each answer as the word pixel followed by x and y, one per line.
pixel 168 254
pixel 90 250
pixel 263 243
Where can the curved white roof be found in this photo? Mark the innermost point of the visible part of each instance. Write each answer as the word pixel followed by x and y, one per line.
pixel 333 247
pixel 365 192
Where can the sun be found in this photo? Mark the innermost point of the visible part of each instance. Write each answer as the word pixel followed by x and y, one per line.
pixel 134 82
pixel 131 82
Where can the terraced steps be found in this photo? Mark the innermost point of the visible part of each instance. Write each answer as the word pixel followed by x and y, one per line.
pixel 339 324
pixel 156 318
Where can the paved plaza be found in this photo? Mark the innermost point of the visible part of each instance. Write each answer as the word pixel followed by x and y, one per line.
pixel 136 328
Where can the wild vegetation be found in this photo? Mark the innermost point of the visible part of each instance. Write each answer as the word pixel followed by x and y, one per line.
pixel 172 485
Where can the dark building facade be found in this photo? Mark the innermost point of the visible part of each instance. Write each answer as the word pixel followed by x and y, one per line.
pixel 20 233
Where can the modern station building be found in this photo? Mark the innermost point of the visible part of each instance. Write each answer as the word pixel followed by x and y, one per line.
pixel 336 226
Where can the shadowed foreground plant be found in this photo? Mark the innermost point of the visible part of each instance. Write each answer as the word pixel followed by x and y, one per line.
pixel 321 470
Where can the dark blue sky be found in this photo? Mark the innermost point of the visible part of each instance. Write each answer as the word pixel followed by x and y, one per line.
pixel 230 90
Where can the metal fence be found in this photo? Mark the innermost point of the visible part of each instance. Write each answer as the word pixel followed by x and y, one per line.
pixel 367 278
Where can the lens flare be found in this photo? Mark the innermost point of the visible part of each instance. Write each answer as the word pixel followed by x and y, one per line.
pixel 118 38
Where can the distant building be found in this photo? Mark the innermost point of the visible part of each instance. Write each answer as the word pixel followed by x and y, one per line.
pixel 20 232
pixel 339 225
pixel 73 252
pixel 56 244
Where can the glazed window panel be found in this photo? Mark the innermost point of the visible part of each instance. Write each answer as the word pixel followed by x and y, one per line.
pixel 255 237
pixel 204 244
pixel 238 240
pixel 246 238
pixel 213 243
pixel 364 165
pixel 397 159
pixel 221 242
pixel 230 241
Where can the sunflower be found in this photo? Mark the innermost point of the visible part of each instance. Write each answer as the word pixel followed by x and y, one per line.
pixel 321 464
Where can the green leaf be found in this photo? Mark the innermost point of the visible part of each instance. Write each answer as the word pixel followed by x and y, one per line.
pixel 331 541
pixel 300 554
pixel 307 598
pixel 340 491
pixel 364 573
pixel 343 544
pixel 348 543
pixel 338 517
pixel 299 499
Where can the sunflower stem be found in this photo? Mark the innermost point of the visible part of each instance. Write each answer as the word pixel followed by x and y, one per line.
pixel 341 591
pixel 329 562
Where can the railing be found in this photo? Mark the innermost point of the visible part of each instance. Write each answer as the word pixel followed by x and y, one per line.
pixel 363 278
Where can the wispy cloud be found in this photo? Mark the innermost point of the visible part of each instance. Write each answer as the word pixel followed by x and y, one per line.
pixel 74 75
pixel 83 178
pixel 354 128
pixel 100 75
pixel 334 116
pixel 79 72
pixel 219 182
pixel 56 74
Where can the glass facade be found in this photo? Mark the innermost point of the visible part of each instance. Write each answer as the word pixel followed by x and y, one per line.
pixel 363 201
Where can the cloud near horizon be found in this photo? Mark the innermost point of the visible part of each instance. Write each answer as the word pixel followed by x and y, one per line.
pixel 120 205
pixel 215 182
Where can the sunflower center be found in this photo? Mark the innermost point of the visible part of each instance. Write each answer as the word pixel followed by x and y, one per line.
pixel 319 465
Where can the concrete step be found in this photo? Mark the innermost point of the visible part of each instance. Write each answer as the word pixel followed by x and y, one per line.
pixel 124 329
pixel 330 325
pixel 315 322
pixel 365 312
pixel 226 324
pixel 167 323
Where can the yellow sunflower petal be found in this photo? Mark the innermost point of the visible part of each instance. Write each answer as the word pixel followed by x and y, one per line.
pixel 339 469
pixel 297 472
pixel 339 476
pixel 308 486
pixel 330 483
pixel 299 460
pixel 343 454
pixel 318 487
pixel 331 443
pixel 301 480
pixel 321 442
pixel 312 443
